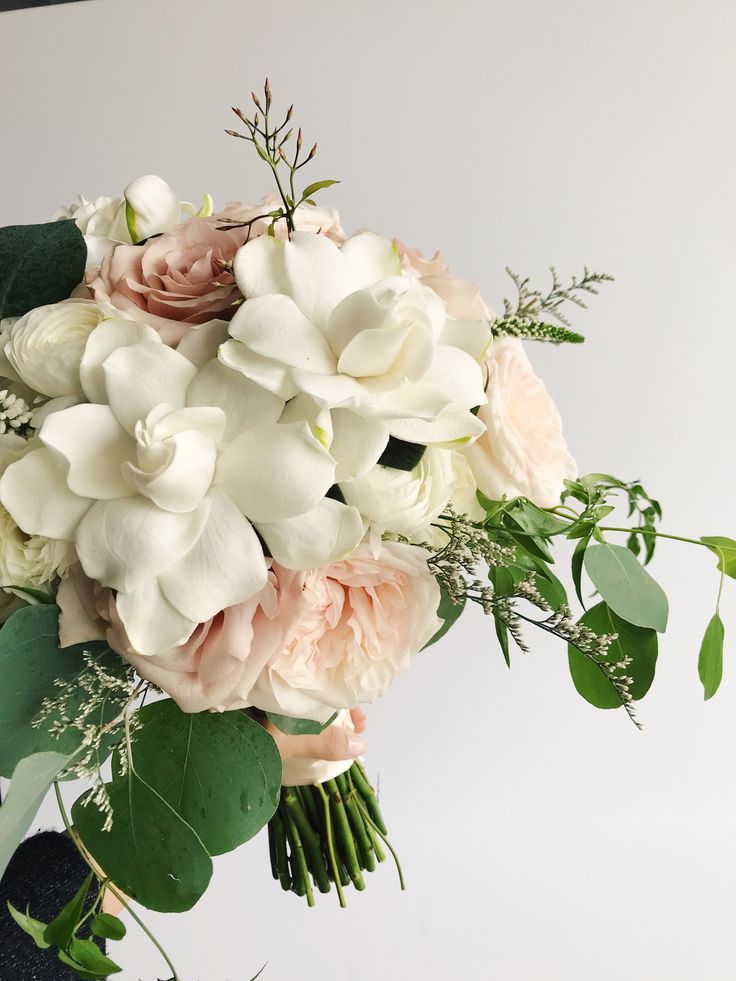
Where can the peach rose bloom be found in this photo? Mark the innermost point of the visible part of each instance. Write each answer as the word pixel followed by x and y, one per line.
pixel 462 297
pixel 173 282
pixel 523 451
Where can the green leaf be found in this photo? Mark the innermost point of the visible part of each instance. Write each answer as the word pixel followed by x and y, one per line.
pixel 710 661
pixel 578 558
pixel 401 455
pixel 88 955
pixel 639 643
pixel 108 926
pixel 77 968
pixel 220 771
pixel 150 852
pixel 30 662
pixel 299 727
pixel 537 521
pixel 448 612
pixel 39 264
pixel 32 778
pixel 64 925
pixel 311 189
pixel 34 928
pixel 38 594
pixel 502 634
pixel 626 586
pixel 725 549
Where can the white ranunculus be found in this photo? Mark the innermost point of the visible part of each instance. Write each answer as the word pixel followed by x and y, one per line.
pixel 159 479
pixel 345 326
pixel 523 451
pixel 45 346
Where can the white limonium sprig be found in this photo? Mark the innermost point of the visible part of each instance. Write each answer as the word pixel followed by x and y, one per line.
pixel 16 415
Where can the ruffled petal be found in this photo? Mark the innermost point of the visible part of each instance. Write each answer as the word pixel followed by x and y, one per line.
pixel 271 375
pixel 371 257
pixel 94 446
pixel 225 567
pixel 275 328
pixel 126 543
pixel 275 471
pixel 357 443
pixel 245 403
pixel 35 494
pixel 107 337
pixel 142 376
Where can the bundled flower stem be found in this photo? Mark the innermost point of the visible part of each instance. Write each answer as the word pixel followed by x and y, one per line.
pixel 328 833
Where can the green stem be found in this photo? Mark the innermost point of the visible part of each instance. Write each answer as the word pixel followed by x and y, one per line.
pixel 344 834
pixel 385 840
pixel 108 884
pixel 282 863
pixel 655 533
pixel 299 873
pixel 331 844
pixel 362 838
pixel 293 805
pixel 366 791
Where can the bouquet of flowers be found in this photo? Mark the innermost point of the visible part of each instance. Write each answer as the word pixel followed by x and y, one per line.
pixel 251 466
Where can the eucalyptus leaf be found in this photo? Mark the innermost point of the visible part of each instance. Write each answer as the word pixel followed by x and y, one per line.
pixel 31 780
pixel 638 643
pixel 39 264
pixel 400 455
pixel 150 853
pixel 219 771
pixel 299 727
pixel 725 549
pixel 710 661
pixel 626 586
pixel 30 663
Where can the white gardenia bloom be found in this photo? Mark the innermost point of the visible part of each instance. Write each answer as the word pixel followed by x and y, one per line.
pixel 44 347
pixel 347 327
pixel 160 477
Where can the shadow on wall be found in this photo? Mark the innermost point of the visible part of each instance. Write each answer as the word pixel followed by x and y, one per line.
pixel 22 4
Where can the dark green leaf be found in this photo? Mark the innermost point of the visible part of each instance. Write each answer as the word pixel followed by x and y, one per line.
pixel 725 549
pixel 108 926
pixel 78 969
pixel 311 189
pixel 32 778
pixel 299 727
pixel 578 558
pixel 502 633
pixel 710 661
pixel 30 662
pixel 638 643
pixel 448 612
pixel 63 926
pixel 400 455
pixel 626 586
pixel 537 521
pixel 89 956
pixel 39 264
pixel 219 771
pixel 34 928
pixel 150 852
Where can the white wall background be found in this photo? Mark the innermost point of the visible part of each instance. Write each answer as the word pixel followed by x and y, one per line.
pixel 542 840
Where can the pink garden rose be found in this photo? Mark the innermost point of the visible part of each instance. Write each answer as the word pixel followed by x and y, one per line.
pixel 523 451
pixel 173 282
pixel 462 297
pixel 348 630
pixel 308 644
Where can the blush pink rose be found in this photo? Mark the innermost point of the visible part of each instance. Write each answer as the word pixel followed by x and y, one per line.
pixel 307 218
pixel 462 297
pixel 523 451
pixel 347 630
pixel 214 669
pixel 175 281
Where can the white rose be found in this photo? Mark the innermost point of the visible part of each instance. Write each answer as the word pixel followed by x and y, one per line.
pixel 45 346
pixel 345 326
pixel 523 451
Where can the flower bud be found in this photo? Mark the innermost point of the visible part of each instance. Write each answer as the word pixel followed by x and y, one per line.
pixel 151 207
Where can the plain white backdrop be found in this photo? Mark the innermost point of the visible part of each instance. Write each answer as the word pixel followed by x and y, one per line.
pixel 542 840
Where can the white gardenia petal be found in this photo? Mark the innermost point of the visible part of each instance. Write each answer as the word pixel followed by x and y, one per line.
pixel 107 337
pixel 142 376
pixel 318 275
pixel 458 375
pixel 35 494
pixel 449 430
pixel 123 544
pixel 225 567
pixel 152 624
pixel 357 443
pixel 327 533
pixel 201 342
pixel 271 375
pixel 471 336
pixel 258 267
pixel 371 257
pixel 274 327
pixel 183 478
pixel 275 471
pixel 94 446
pixel 244 403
